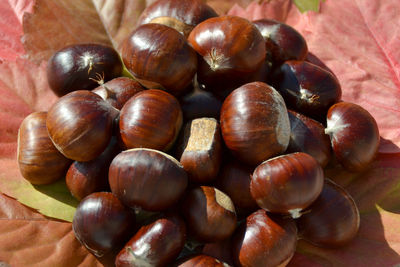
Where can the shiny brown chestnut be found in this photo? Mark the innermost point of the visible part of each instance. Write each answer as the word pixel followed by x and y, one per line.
pixel 78 66
pixel 156 244
pixel 308 136
pixel 201 147
pixel 354 135
pixel 39 160
pixel 230 48
pixel 263 241
pixel 332 220
pixel 182 15
pixel 202 260
pixel 234 180
pixel 85 178
pixel 209 213
pixel 287 184
pixel 200 104
pixel 102 223
pixel 307 88
pixel 159 57
pixel 118 91
pixel 282 41
pixel 80 125
pixel 147 179
pixel 151 119
pixel 254 123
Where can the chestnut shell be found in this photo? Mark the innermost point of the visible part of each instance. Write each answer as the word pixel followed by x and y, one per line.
pixel 159 57
pixel 102 223
pixel 254 123
pixel 80 66
pixel 39 160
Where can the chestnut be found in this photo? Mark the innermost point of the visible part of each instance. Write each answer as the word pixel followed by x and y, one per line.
pixel 230 48
pixel 202 260
pixel 201 150
pixel 84 178
pixel 159 57
pixel 147 179
pixel 182 15
pixel 354 135
pixel 308 136
pixel 287 184
pixel 307 88
pixel 209 213
pixel 156 244
pixel 39 160
pixel 254 123
pixel 263 241
pixel 332 220
pixel 102 223
pixel 151 119
pixel 118 91
pixel 80 125
pixel 234 180
pixel 282 41
pixel 79 66
pixel 200 104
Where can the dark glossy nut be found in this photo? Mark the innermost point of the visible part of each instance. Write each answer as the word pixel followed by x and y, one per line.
pixel 80 125
pixel 282 41
pixel 38 159
pixel 263 241
pixel 102 223
pixel 354 135
pixel 151 119
pixel 287 184
pixel 209 213
pixel 147 179
pixel 254 123
pixel 79 66
pixel 202 261
pixel 332 220
pixel 85 178
pixel 234 180
pixel 201 150
pixel 308 136
pixel 230 48
pixel 159 57
pixel 118 91
pixel 200 104
pixel 156 244
pixel 307 88
pixel 182 15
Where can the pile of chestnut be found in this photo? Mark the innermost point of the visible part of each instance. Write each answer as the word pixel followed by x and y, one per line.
pixel 213 155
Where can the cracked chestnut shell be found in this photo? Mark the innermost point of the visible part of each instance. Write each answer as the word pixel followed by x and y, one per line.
pixel 254 123
pixel 79 66
pixel 159 57
pixel 39 160
pixel 354 135
pixel 182 15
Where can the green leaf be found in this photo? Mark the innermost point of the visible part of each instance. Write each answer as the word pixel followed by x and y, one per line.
pixel 307 5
